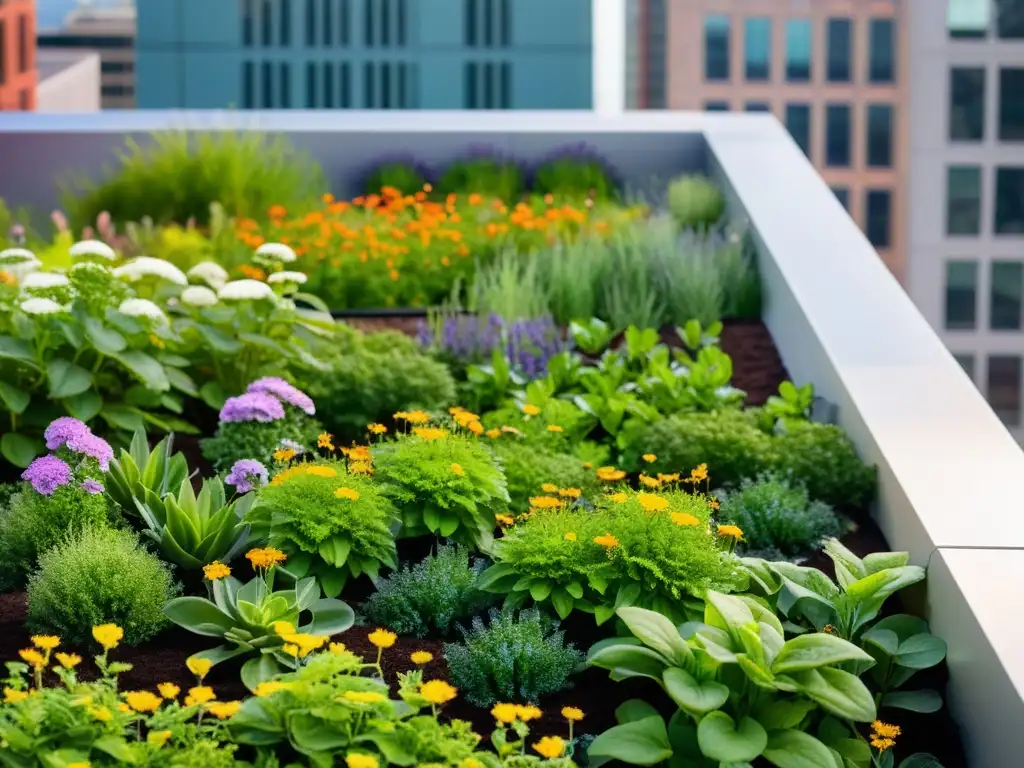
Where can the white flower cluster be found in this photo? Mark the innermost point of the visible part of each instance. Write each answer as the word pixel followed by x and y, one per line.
pixel 246 290
pixel 142 308
pixel 209 272
pixel 299 278
pixel 146 266
pixel 18 262
pixel 41 281
pixel 275 253
pixel 198 296
pixel 41 306
pixel 92 248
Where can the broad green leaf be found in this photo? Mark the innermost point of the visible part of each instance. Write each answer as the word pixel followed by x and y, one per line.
pixel 642 742
pixel 921 651
pixel 198 615
pixel 20 449
pixel 16 400
pixel 658 633
pixel 335 550
pixel 106 340
pixel 148 370
pixel 260 669
pixel 722 738
pixel 212 394
pixel 330 617
pixel 695 697
pixel 563 602
pixel 816 650
pixel 539 590
pixel 838 692
pixel 925 700
pixel 634 709
pixel 181 381
pixel 880 561
pixel 796 749
pixel 629 661
pixel 921 760
pixel 67 379
pixel 84 406
pixel 117 748
pixel 779 715
pixel 16 349
pixel 726 611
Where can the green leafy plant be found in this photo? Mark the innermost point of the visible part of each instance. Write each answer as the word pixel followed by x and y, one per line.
pixel 695 202
pixel 574 177
pixel 528 464
pixel 518 658
pixel 237 440
pixel 403 176
pixel 138 472
pixel 488 176
pixel 792 404
pixel 825 460
pixel 98 576
pixel 443 484
pixel 427 598
pixel 778 518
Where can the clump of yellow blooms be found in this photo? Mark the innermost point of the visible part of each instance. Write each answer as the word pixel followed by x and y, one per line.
pixel 347 493
pixel 325 440
pixel 216 570
pixel 550 747
pixel 458 470
pixel 377 429
pixel 364 697
pixel 200 694
pixel 650 458
pixel 570 536
pixel 733 532
pixel 607 541
pixel 651 502
pixel 684 519
pixel 266 557
pixel 143 701
pixel 421 657
pixel 382 638
pixel 356 760
pixel 107 635
pixel 883 735
pixel 284 455
pixel 649 482
pixel 430 433
pixel 223 710
pixel 168 690
pixel 437 692
pixel 68 660
pixel 610 474
pixel 199 666
pixel 545 502
pixel 270 687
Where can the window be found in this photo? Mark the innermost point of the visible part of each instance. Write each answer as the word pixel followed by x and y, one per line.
pixel 963 200
pixel 1004 382
pixel 966 103
pixel 311 70
pixel 488 23
pixel 310 23
pixel 327 22
pixel 1010 19
pixel 248 99
pixel 798 50
pixel 839 34
pixel 285 73
pixel 798 123
pixel 369 86
pixel 402 86
pixel 506 85
pixel 1009 201
pixel 968 19
pixel 267 82
pixel 115 90
pixel 116 67
pixel 488 84
pixel 23 45
pixel 247 11
pixel 878 217
pixel 757 106
pixel 328 85
pixel 879 135
pixel 757 40
pixel 1011 104
pixel 345 75
pixel 961 295
pixel 385 26
pixel 1006 290
pixel 285 30
pixel 368 36
pixel 385 86
pixel 967 363
pixel 837 135
pixel 882 51
pixel 469 99
pixel 401 26
pixel 346 15
pixel 505 18
pixel 716 47
pixel 266 23
pixel 843 196
pixel 716 106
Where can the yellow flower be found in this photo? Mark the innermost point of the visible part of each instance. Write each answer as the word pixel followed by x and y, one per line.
pixel 102 713
pixel 108 635
pixel 587 465
pixel 550 747
pixel 438 692
pixel 650 482
pixel 531 410
pixel 458 470
pixel 607 541
pixel 463 417
pixel 610 474
pixel 284 455
pixel 13 696
pixel 570 536
pixel 554 428
pixel 377 429
pixel 492 433
pixel 347 493
pixel 124 709
pixel 684 518
pixel 505 713
pixel 413 417
pixel 68 660
pixel 572 714
pixel 79 764
pixel 527 713
pixel 885 730
pixel 430 433
pixel 291 649
pixel 882 744
pixel 158 738
pixel 382 638
pixel 570 493
pixel 476 428
pixel 505 519
pixel 672 478
pixel 619 498
pixel 470 762
pixel 318 471
pixel 142 701
pixel 421 657
pixel 270 687
pixel 216 570
pixel 730 531
pixel 700 473
pixel 361 468
pixel 267 557
pixel 545 502
pixel 198 666
pixel 305 643
pixel 650 458
pixel 549 488
pixel 33 657
pixel 337 648
pixel 199 695
pixel 356 760
pixel 364 697
pixel 222 710
pixel 45 642
pixel 651 502
pixel 168 690
pixel 324 440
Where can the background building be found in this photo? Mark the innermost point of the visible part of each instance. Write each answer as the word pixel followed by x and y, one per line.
pixel 17 54
pixel 110 31
pixel 364 54
pixel 69 80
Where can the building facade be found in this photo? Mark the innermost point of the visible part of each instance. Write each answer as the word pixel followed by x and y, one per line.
pixel 18 55
pixel 69 80
pixel 364 54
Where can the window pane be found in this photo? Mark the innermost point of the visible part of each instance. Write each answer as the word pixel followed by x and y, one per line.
pixel 840 49
pixel 882 56
pixel 963 200
pixel 798 122
pixel 1004 388
pixel 757 106
pixel 837 134
pixel 879 135
pixel 843 196
pixel 879 208
pixel 966 103
pixel 1005 298
pixel 1011 104
pixel 961 295
pixel 1010 19
pixel 798 50
pixel 968 18
pixel 716 106
pixel 757 39
pixel 716 47
pixel 1009 201
pixel 967 363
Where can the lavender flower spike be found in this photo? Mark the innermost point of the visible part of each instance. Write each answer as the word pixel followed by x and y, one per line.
pixel 63 429
pixel 252 406
pixel 47 474
pixel 93 446
pixel 282 390
pixel 93 487
pixel 246 475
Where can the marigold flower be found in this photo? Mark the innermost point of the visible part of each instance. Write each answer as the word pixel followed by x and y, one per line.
pixel 700 473
pixel 222 710
pixel 216 570
pixel 570 493
pixel 347 493
pixel 463 417
pixel 733 532
pixel 270 687
pixel 267 557
pixel 68 660
pixel 572 714
pixel 476 428
pixel 882 744
pixel 650 458
pixel 382 638
pixel 531 410
pixel 199 666
pixel 545 502
pixel 549 488
pixel 505 519
pixel 492 433
pixel 885 730
pixel 361 468
pixel 364 697
pixel 304 643
pixel 324 440
pixel 458 470
pixel 610 474
pixel 143 701
pixel 684 518
pixel 651 502
pixel 569 536
pixel 421 657
pixel 672 478
pixel 377 429
pixel 13 696
pixel 413 417
pixel 337 648
pixel 555 428
pixel 713 503
pixel 317 471
pixel 619 498
pixel 650 482
pixel 107 635
pixel 356 760
pixel 550 747
pixel 158 738
pixel 607 541
pixel 438 692
pixel 200 694
pixel 528 712
pixel 505 713
pixel 168 690
pixel 284 455
pixel 45 642
pixel 32 657
pixel 430 433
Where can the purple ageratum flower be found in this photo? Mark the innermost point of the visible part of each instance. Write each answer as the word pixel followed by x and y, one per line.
pixel 282 390
pixel 63 429
pixel 252 406
pixel 47 474
pixel 247 474
pixel 93 487
pixel 93 446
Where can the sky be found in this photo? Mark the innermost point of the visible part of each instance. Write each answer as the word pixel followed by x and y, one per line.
pixel 51 13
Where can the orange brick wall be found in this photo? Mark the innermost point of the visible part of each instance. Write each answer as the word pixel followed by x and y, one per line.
pixel 17 68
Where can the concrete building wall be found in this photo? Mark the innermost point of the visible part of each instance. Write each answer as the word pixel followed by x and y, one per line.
pixel 17 55
pixel 69 81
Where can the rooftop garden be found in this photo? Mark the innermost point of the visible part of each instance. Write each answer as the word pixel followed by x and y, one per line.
pixel 485 466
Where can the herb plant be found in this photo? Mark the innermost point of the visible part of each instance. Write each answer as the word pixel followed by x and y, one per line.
pixel 528 466
pixel 138 472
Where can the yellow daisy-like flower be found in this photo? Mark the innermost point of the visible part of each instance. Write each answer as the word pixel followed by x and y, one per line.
pixel 458 470
pixel 531 410
pixel 364 697
pixel 285 475
pixel 199 666
pixel 200 694
pixel 377 429
pixel 291 649
pixel 619 498
pixel 607 541
pixel 526 713
pixel 305 643
pixel 421 657
pixel 700 473
pixel 413 417
pixel 325 440
pixel 382 638
pixel 347 493
pixel 270 687
pixel 45 642
pixel 545 502
pixel 102 713
pixel 492 433
pixel 361 468
pixel 284 455
pixel 68 660
pixel 13 696
pixel 438 692
pixel 733 532
pixel 651 502
pixel 337 648
pixel 555 428
pixel 684 518
pixel 650 458
pixel 216 570
pixel 570 493
pixel 885 730
pixel 549 487
pixel 356 760
pixel 649 482
pixel 143 701
pixel 505 713
pixel 32 657
pixel 107 635
pixel 267 557
pixel 882 744
pixel 550 747
pixel 317 471
pixel 610 474
pixel 569 536
pixel 505 519
pixel 168 690
pixel 476 428
pixel 124 709
pixel 572 714
pixel 463 417
pixel 430 433
pixel 672 478
pixel 158 738
pixel 79 764
pixel 713 503
pixel 222 710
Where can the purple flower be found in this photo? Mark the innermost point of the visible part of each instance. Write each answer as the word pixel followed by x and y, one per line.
pixel 91 486
pixel 93 446
pixel 252 406
pixel 63 429
pixel 281 389
pixel 243 474
pixel 47 474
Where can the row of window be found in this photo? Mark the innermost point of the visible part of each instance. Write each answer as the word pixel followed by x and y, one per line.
pixel 487 85
pixel 963 200
pixel 1006 295
pixel 329 85
pixel 799 58
pixel 488 23
pixel 877 214
pixel 326 22
pixel 967 104
pixel 1004 384
pixel 971 19
pixel 22 45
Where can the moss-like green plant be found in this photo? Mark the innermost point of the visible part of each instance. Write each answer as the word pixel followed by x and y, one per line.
pixel 404 177
pixel 529 466
pixel 574 177
pixel 695 203
pixel 823 458
pixel 236 440
pixel 488 176
pixel 331 523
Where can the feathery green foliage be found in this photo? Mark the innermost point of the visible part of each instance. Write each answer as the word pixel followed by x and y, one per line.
pixel 235 440
pixel 527 465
